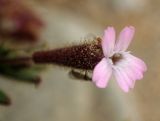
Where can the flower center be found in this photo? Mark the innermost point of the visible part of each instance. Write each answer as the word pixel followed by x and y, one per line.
pixel 116 57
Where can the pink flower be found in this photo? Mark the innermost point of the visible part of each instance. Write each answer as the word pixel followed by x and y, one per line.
pixel 125 67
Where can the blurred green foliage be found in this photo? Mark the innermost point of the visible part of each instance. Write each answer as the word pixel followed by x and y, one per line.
pixel 22 72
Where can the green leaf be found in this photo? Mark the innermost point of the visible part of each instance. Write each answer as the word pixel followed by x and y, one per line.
pixel 4 99
pixel 30 74
pixel 3 51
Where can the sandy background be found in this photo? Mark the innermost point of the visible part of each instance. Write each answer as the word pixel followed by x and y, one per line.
pixel 60 98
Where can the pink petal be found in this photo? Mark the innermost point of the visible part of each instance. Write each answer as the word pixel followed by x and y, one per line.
pixel 137 62
pixel 129 80
pixel 121 79
pixel 108 41
pixel 125 38
pixel 133 67
pixel 133 74
pixel 101 73
pixel 127 69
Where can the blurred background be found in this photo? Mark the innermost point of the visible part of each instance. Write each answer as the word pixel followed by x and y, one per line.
pixel 60 98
